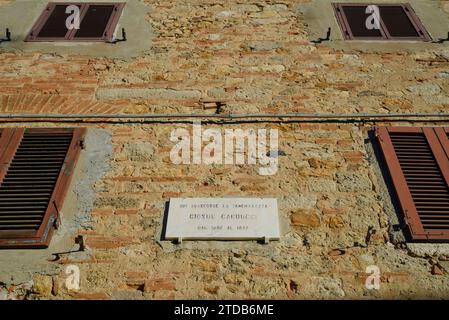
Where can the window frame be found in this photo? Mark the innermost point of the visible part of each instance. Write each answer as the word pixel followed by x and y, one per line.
pixel 438 141
pixel 108 33
pixel 11 138
pixel 345 28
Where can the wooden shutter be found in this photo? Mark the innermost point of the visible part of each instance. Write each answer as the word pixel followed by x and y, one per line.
pixel 98 21
pixel 418 162
pixel 351 19
pixel 397 22
pixel 36 167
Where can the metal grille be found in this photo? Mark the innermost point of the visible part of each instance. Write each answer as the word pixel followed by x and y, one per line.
pixel 425 180
pixel 97 22
pixel 27 187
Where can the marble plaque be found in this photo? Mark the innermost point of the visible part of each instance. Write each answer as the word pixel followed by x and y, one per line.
pixel 222 219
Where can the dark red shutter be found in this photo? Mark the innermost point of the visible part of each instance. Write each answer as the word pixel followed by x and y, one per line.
pixel 36 166
pixel 97 22
pixel 352 20
pixel 397 22
pixel 417 159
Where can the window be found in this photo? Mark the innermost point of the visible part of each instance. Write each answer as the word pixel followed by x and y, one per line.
pixel 418 163
pixel 36 167
pixel 397 22
pixel 98 22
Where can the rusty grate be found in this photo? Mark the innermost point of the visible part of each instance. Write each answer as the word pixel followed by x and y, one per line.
pixel 418 162
pixel 97 22
pixel 397 22
pixel 33 180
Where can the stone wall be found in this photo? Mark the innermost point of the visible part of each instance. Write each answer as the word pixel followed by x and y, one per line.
pixel 246 58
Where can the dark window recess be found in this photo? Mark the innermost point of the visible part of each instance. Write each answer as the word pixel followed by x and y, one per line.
pixel 397 22
pixel 97 22
pixel 418 163
pixel 36 167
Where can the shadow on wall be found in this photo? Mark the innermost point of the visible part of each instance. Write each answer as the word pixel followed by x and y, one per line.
pixel 318 16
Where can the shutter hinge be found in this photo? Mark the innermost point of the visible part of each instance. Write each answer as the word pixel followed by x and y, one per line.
pixel 115 40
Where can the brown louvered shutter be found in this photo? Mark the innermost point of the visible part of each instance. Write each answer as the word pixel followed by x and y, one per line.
pixel 36 166
pixel 418 162
pixel 397 22
pixel 98 22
